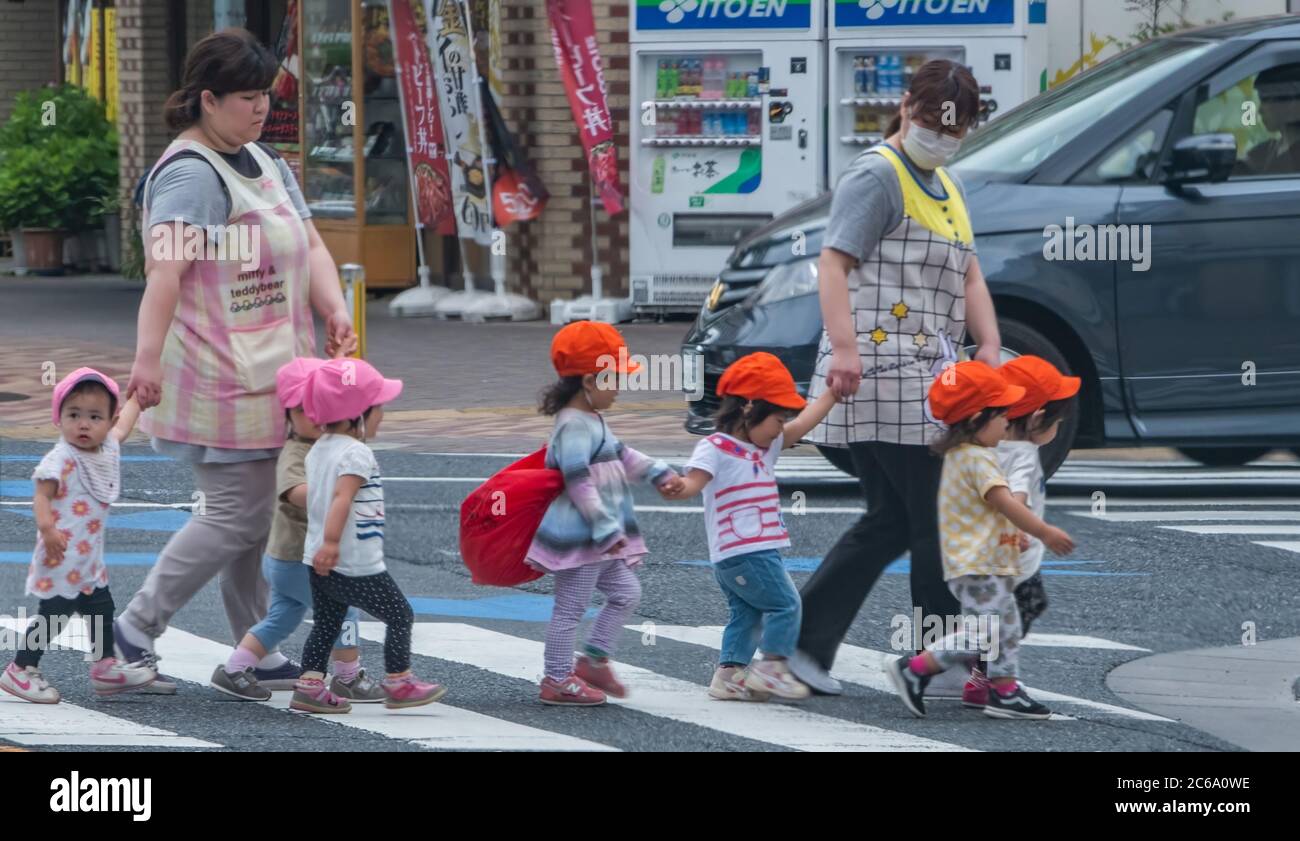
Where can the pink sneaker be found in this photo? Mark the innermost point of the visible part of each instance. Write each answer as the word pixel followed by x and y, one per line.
pixel 28 684
pixel 310 695
pixel 109 677
pixel 975 694
pixel 573 691
pixel 409 691
pixel 599 674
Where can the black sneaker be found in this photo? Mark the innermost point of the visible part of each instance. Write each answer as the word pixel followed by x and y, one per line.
pixel 1016 705
pixel 908 684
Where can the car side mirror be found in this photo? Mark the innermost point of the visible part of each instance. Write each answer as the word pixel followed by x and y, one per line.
pixel 1201 159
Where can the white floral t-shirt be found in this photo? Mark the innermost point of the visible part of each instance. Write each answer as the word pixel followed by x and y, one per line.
pixel 89 482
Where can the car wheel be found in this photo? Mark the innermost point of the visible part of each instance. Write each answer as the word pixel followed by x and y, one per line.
pixel 1223 456
pixel 1023 339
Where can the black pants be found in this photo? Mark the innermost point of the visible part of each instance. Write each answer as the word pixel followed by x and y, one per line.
pixel 54 615
pixel 901 486
pixel 378 595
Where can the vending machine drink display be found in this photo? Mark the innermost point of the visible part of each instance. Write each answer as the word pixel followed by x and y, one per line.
pixel 877 45
pixel 728 103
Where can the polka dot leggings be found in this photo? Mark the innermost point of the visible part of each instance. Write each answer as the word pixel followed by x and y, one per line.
pixel 378 595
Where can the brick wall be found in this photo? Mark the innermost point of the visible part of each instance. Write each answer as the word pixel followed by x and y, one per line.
pixel 142 27
pixel 30 41
pixel 551 256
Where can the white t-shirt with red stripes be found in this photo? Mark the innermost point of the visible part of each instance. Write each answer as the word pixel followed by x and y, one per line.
pixel 742 507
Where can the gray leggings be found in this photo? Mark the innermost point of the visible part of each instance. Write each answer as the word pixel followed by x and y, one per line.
pixel 988 604
pixel 225 537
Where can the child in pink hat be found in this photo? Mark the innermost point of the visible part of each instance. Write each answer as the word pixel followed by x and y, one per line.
pixel 243 676
pixel 345 536
pixel 76 483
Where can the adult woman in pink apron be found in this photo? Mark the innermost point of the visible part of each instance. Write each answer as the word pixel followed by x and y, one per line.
pixel 234 269
pixel 900 286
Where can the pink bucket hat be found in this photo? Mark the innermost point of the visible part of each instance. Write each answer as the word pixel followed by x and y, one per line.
pixel 291 380
pixel 78 376
pixel 342 389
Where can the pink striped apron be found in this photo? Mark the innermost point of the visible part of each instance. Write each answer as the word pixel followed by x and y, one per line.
pixel 235 324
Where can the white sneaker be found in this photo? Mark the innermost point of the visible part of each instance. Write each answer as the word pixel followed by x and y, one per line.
pixel 729 685
pixel 774 676
pixel 28 684
pixel 109 677
pixel 810 672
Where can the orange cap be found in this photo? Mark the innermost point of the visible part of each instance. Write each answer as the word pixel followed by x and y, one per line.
pixel 760 376
pixel 968 388
pixel 1042 382
pixel 578 349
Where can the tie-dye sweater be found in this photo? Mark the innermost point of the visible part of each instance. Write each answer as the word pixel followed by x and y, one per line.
pixel 595 511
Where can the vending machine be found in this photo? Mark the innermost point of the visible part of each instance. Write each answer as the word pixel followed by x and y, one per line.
pixel 875 46
pixel 728 132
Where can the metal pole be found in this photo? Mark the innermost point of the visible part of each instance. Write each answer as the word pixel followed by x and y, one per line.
pixel 597 275
pixel 353 278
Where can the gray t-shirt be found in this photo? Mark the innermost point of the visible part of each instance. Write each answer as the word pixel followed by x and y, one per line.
pixel 189 189
pixel 868 203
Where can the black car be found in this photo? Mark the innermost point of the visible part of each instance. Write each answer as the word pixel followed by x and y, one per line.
pixel 1192 142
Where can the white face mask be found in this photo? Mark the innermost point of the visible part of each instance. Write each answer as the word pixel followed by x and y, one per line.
pixel 928 148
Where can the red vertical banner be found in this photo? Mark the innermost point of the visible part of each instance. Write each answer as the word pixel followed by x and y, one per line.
pixel 573 35
pixel 426 154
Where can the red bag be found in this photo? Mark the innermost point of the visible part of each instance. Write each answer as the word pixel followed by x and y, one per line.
pixel 499 518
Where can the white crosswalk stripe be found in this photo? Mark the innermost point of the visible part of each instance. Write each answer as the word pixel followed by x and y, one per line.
pixel 663 696
pixel 69 724
pixel 1217 517
pixel 862 666
pixel 191 658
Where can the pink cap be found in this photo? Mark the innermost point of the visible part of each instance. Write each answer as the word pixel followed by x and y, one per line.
pixel 292 378
pixel 342 389
pixel 81 375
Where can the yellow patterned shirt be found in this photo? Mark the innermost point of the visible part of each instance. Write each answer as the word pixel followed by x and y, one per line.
pixel 976 539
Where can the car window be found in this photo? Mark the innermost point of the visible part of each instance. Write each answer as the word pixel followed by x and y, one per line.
pixel 1262 111
pixel 1134 158
pixel 1014 145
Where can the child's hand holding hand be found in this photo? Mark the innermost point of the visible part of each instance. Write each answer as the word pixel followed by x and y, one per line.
pixel 1024 542
pixel 672 487
pixel 326 558
pixel 56 543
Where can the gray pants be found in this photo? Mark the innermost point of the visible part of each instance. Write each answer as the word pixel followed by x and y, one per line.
pixel 988 603
pixel 227 538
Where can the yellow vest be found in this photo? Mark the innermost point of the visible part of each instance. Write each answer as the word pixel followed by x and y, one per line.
pixel 945 215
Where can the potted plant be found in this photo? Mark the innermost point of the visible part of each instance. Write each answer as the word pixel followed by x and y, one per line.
pixel 58 160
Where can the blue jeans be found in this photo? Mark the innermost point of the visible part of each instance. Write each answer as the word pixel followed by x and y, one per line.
pixel 761 596
pixel 290 599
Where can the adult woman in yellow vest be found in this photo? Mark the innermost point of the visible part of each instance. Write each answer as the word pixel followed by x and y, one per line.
pixel 899 284
pixel 234 269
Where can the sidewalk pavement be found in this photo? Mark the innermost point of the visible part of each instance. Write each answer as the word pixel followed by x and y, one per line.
pixel 469 387
pixel 1242 694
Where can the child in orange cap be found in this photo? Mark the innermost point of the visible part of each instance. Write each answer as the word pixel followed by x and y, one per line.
pixel 1032 423
pixel 978 522
pixel 734 468
pixel 589 538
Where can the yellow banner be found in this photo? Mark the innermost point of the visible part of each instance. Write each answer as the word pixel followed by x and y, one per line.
pixel 94 79
pixel 110 64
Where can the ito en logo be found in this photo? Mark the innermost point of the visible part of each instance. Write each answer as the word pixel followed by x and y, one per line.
pixel 676 10
pixel 876 8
